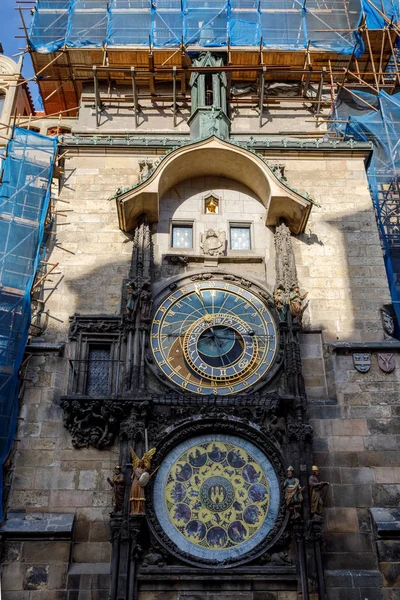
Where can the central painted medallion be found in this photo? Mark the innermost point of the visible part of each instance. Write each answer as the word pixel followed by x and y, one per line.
pixel 216 496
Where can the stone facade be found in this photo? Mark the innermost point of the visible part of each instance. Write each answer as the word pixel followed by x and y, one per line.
pixel 355 416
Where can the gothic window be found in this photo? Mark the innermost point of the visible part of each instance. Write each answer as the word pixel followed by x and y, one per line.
pixel 182 235
pixel 96 356
pixel 98 370
pixel 240 238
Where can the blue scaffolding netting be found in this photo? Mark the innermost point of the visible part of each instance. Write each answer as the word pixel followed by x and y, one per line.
pixel 376 119
pixel 24 202
pixel 283 24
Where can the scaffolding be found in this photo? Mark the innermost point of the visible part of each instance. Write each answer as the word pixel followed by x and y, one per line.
pixel 24 204
pixel 337 58
pixel 376 118
pixel 286 24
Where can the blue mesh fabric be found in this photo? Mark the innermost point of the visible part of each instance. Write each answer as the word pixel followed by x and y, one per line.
pixel 381 127
pixel 282 24
pixel 24 200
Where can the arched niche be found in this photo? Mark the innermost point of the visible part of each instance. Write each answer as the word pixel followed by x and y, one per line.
pixel 214 157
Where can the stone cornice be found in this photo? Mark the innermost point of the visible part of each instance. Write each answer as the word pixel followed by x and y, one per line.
pixel 163 142
pixel 389 345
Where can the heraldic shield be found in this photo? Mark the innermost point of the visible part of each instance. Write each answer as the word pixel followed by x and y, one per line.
pixel 386 362
pixel 362 362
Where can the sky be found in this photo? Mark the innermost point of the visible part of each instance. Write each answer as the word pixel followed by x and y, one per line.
pixel 9 27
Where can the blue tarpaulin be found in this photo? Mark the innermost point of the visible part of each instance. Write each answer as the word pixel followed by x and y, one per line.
pixel 382 128
pixel 24 201
pixel 281 24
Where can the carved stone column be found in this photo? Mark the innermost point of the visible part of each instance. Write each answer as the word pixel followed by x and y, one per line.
pixel 138 307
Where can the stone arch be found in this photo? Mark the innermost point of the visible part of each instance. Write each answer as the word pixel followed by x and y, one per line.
pixel 8 66
pixel 214 156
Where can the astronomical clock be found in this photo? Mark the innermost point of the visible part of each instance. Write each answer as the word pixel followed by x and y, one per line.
pixel 214 338
pixel 216 495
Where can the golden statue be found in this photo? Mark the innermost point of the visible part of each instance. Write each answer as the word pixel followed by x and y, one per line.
pixel 140 478
pixel 211 206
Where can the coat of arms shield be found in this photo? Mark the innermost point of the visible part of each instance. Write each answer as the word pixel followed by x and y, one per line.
pixel 386 362
pixel 362 362
pixel 387 321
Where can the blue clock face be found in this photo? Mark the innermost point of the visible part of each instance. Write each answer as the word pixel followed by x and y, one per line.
pixel 213 338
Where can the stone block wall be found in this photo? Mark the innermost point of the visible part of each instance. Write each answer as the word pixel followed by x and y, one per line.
pixel 355 416
pixel 35 569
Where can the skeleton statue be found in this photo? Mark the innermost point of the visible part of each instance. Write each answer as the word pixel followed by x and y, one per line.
pixel 212 242
pixel 140 478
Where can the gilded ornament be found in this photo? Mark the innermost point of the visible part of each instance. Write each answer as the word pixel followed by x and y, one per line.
pixel 140 478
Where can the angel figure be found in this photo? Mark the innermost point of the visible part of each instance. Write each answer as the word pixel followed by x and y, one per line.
pixel 140 478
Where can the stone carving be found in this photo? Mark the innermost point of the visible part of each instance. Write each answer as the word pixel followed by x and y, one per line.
pixel 285 265
pixel 300 432
pixel 293 493
pixel 155 558
pixel 132 428
pixel 316 486
pixel 287 295
pixel 118 485
pixel 132 302
pixel 281 559
pixel 386 362
pixel 82 323
pixel 295 302
pixel 278 428
pixel 145 167
pixel 138 307
pixel 362 362
pixel 244 283
pixel 281 304
pixel 176 259
pixel 278 170
pixel 140 478
pixel 146 303
pixel 201 277
pixel 212 242
pixel 387 321
pixel 141 256
pixel 93 422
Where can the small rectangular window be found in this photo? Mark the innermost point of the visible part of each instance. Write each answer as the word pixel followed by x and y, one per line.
pixel 182 236
pixel 98 370
pixel 240 237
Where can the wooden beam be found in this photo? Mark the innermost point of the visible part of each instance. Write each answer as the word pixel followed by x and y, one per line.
pixel 134 95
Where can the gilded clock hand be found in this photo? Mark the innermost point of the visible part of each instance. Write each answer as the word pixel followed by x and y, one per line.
pixel 200 297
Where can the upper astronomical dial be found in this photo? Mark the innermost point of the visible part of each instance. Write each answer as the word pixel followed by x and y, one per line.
pixel 213 338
